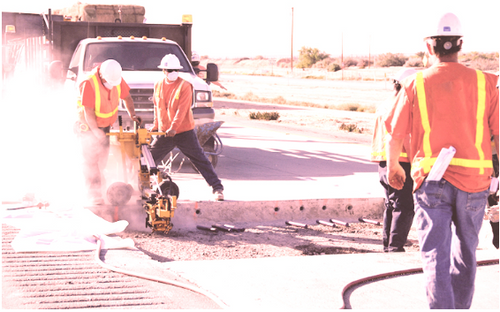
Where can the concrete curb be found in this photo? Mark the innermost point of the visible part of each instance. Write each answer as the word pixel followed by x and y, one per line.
pixel 191 213
pixel 348 209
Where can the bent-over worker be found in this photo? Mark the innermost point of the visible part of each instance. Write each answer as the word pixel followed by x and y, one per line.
pixel 100 95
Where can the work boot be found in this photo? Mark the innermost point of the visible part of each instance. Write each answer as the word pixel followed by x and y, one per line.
pixel 218 195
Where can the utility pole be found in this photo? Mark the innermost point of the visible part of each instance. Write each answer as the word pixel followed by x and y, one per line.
pixel 291 58
pixel 342 56
pixel 369 50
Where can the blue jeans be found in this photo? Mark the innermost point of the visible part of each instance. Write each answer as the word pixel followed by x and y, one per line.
pixel 188 144
pixel 448 224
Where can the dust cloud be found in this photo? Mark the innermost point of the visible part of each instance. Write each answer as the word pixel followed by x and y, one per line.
pixel 40 152
pixel 42 157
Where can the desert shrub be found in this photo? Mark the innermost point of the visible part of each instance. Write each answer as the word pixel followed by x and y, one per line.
pixel 390 59
pixel 279 100
pixel 472 56
pixel 310 56
pixel 481 61
pixel 259 57
pixel 333 67
pixel 350 128
pixel 323 64
pixel 348 62
pixel 414 62
pixel 484 64
pixel 362 63
pixel 353 107
pixel 217 93
pixel 249 96
pixel 420 54
pixel 265 115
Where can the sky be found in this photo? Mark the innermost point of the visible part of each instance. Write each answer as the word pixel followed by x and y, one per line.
pixel 231 28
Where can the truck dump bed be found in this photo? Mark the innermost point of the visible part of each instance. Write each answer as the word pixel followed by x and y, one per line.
pixel 103 13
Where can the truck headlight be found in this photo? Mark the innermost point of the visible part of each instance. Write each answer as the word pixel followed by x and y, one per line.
pixel 203 99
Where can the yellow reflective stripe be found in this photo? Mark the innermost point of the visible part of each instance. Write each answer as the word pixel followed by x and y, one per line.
pixel 481 103
pixel 472 163
pixel 98 100
pixel 97 91
pixel 462 162
pixel 422 104
pixel 178 92
pixel 383 154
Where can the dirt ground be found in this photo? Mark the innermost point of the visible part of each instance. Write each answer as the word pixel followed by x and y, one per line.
pixel 262 241
pixel 273 240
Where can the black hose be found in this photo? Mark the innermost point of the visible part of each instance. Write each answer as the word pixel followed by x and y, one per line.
pixel 377 277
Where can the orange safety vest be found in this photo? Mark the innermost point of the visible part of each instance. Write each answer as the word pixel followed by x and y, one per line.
pixel 163 114
pixel 105 108
pixel 475 161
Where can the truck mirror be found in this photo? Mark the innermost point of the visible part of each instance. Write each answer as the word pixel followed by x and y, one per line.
pixel 212 72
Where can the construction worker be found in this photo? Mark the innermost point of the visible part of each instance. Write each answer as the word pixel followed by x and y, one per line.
pixel 446 105
pixel 100 95
pixel 198 68
pixel 172 99
pixel 398 212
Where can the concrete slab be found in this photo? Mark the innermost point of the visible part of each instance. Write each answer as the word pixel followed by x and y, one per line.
pixel 316 282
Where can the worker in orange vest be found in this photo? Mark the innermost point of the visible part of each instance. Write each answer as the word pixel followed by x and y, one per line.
pixel 97 109
pixel 172 99
pixel 451 110
pixel 198 68
pixel 398 212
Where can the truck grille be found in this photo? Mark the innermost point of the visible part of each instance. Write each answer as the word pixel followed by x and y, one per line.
pixel 143 98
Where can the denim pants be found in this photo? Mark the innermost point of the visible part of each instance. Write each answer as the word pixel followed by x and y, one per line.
pixel 448 224
pixel 399 210
pixel 188 144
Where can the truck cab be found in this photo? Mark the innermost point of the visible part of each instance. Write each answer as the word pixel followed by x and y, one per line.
pixel 139 58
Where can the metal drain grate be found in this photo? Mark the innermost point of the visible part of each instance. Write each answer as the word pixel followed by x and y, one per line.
pixel 63 280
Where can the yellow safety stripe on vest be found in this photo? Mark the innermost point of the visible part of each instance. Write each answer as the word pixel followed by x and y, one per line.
pixel 98 100
pixel 384 152
pixel 481 103
pixel 422 104
pixel 178 92
pixel 427 162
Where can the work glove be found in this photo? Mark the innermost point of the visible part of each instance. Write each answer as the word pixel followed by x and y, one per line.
pixel 492 213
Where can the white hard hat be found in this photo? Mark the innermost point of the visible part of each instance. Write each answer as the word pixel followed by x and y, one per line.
pixel 111 71
pixel 195 57
pixel 448 25
pixel 170 61
pixel 403 73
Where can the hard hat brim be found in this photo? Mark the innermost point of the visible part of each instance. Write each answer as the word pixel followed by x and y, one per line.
pixel 170 67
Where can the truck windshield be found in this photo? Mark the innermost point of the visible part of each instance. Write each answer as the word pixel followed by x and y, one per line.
pixel 133 55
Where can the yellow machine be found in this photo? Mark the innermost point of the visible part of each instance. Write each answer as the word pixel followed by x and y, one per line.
pixel 158 192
